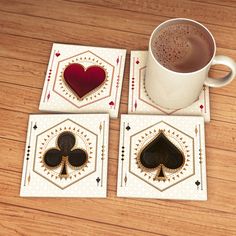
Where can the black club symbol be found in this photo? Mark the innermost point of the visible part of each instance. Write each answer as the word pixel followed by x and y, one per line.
pixel 64 155
pixel 161 155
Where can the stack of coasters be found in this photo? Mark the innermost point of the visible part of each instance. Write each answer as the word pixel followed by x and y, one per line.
pixel 66 156
pixel 162 157
pixel 141 103
pixel 82 79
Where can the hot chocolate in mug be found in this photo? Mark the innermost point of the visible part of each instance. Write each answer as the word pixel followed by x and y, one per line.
pixel 181 52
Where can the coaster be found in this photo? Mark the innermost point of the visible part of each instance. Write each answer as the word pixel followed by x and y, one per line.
pixel 66 156
pixel 82 79
pixel 162 157
pixel 140 103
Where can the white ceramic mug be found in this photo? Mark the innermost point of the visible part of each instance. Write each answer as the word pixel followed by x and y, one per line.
pixel 175 90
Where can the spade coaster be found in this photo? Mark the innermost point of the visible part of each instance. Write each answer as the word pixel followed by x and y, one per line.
pixel 66 156
pixel 82 79
pixel 162 157
pixel 140 103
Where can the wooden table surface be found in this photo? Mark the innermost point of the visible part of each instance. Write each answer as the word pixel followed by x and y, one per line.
pixel 27 30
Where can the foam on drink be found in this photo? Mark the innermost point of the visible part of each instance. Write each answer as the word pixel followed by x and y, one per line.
pixel 183 47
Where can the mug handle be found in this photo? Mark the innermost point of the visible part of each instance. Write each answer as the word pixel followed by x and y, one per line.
pixel 223 60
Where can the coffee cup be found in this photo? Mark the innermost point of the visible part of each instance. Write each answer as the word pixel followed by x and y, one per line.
pixel 181 52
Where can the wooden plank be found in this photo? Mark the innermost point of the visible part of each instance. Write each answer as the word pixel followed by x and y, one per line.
pixel 29 74
pixel 221 163
pixel 139 214
pixel 68 12
pixel 225 3
pixel 38 50
pixel 221 135
pixel 13 125
pixel 68 32
pixel 223 108
pixel 227 90
pixel 19 98
pixel 65 15
pixel 200 11
pixel 25 49
pixel 46 223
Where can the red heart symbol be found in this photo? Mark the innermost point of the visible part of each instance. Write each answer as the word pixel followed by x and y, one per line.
pixel 81 80
pixel 58 54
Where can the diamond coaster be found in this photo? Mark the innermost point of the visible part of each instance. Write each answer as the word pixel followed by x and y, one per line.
pixel 83 79
pixel 162 157
pixel 66 156
pixel 140 103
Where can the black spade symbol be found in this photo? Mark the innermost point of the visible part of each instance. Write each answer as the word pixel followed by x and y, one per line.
pixel 161 154
pixel 65 155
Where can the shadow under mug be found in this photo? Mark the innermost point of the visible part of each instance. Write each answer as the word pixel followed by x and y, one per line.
pixel 176 90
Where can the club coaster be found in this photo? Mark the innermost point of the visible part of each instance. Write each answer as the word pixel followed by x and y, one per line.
pixel 66 156
pixel 82 79
pixel 162 157
pixel 140 103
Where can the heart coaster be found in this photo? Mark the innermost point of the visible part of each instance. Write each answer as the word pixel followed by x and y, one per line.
pixel 66 156
pixel 82 79
pixel 140 102
pixel 162 157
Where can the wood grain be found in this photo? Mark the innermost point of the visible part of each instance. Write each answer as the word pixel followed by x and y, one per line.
pixel 139 23
pixel 201 11
pixel 27 30
pixel 47 223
